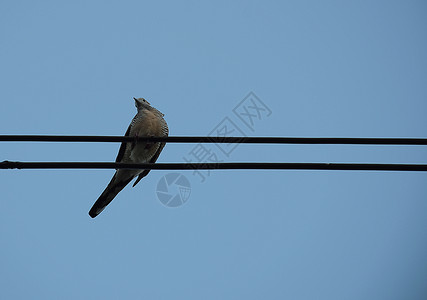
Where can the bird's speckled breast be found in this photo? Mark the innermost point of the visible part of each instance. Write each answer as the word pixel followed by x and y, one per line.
pixel 146 123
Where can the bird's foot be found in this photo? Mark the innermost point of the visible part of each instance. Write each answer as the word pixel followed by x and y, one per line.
pixel 134 142
pixel 148 145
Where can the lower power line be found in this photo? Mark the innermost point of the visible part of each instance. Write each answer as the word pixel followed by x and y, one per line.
pixel 214 166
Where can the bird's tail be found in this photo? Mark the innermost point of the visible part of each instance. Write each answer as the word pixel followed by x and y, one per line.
pixel 113 188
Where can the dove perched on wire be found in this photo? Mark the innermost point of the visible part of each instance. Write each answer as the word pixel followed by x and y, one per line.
pixel 148 122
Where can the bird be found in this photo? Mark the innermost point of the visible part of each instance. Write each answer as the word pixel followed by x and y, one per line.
pixel 148 122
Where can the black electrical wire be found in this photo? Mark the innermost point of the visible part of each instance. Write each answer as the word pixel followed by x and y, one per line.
pixel 214 166
pixel 209 139
pixel 211 166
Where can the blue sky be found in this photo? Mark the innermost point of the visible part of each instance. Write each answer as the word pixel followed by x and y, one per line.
pixel 323 68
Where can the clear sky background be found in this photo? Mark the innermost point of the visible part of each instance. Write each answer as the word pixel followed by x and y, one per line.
pixel 323 68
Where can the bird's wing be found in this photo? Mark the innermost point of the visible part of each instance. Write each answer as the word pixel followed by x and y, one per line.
pixel 153 160
pixel 123 147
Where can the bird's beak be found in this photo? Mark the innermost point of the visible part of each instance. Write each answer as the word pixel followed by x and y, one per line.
pixel 134 98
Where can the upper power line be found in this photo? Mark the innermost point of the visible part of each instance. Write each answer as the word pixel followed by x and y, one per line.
pixel 209 139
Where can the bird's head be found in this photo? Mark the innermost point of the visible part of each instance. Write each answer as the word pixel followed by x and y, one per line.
pixel 141 103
